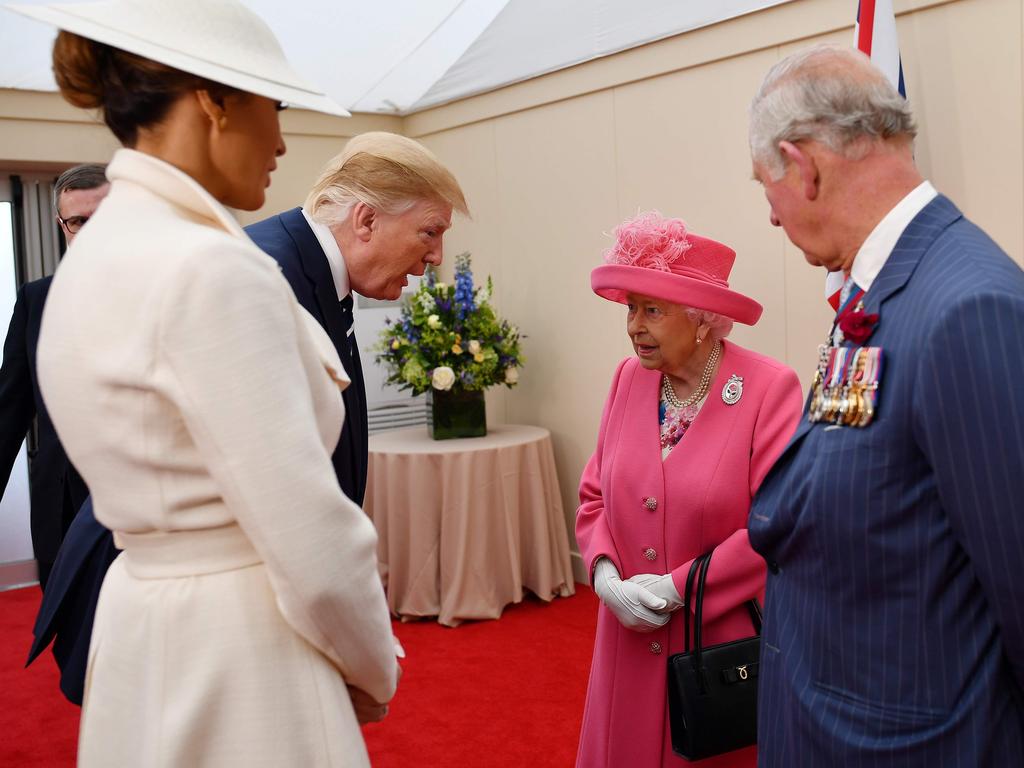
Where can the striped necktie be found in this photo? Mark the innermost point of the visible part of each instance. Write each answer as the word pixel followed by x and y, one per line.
pixel 849 296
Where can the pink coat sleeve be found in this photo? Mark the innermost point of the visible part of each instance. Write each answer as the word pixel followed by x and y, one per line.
pixel 592 533
pixel 737 573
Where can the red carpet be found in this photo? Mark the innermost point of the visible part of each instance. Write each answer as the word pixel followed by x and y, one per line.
pixel 38 726
pixel 486 694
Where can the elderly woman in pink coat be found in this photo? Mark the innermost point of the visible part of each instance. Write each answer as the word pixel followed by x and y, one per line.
pixel 690 428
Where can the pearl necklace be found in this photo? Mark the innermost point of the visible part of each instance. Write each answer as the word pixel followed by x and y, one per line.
pixel 669 394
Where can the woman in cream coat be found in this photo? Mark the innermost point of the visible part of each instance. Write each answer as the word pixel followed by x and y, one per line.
pixel 201 404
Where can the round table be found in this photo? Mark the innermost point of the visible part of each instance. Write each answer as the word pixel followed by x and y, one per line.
pixel 466 524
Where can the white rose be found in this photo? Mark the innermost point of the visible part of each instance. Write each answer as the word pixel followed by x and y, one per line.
pixel 443 378
pixel 511 375
pixel 434 322
pixel 474 347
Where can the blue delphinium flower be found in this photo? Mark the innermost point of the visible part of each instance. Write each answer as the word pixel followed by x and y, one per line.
pixel 464 299
pixel 467 378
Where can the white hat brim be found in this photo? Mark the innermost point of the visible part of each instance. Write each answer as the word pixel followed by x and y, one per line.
pixel 292 93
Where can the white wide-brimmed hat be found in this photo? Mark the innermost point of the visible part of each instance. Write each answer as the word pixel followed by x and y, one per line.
pixel 220 40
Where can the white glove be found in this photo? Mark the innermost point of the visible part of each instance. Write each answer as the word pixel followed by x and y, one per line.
pixel 632 604
pixel 660 586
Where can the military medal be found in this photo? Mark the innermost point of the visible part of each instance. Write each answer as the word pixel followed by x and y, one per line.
pixel 844 390
pixel 845 387
pixel 817 404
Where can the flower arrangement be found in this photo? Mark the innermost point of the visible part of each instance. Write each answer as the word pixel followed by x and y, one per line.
pixel 449 338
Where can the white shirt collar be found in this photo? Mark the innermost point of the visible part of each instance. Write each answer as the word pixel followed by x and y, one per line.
pixel 333 253
pixel 883 238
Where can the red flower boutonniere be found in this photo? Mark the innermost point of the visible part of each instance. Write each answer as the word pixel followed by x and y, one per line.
pixel 857 326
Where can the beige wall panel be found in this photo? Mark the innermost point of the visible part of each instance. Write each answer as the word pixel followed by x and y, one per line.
pixel 54 142
pixel 808 315
pixel 469 152
pixel 681 147
pixel 963 74
pixel 556 197
pixel 296 172
pixel 311 139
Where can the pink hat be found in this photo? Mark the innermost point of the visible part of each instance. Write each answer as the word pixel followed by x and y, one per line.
pixel 657 257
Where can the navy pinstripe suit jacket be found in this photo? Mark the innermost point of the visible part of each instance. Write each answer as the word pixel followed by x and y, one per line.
pixel 894 632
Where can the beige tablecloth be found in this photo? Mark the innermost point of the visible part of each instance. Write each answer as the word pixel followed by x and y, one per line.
pixel 465 525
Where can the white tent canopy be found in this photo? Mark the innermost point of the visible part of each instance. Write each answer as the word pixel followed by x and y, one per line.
pixel 401 56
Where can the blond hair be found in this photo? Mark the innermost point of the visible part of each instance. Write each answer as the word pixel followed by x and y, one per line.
pixel 387 172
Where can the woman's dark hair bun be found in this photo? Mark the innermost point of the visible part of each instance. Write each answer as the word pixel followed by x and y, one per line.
pixel 78 70
pixel 132 92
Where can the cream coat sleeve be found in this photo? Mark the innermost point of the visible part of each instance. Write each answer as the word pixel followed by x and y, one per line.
pixel 229 335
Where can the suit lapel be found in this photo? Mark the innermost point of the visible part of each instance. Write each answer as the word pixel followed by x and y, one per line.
pixel 316 268
pixel 350 456
pixel 915 240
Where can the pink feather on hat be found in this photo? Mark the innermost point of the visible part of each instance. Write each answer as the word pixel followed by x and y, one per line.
pixel 649 240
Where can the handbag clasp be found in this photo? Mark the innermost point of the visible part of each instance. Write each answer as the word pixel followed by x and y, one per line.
pixel 743 672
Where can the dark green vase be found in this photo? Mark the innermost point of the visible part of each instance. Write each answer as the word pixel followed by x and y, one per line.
pixel 457 414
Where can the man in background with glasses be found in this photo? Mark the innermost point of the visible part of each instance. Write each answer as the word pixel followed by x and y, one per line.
pixel 76 196
pixel 55 489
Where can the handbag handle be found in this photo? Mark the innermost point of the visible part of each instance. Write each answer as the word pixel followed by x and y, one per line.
pixel 698 617
pixel 700 566
pixel 688 599
pixel 755 614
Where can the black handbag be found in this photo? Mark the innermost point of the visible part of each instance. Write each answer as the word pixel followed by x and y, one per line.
pixel 712 691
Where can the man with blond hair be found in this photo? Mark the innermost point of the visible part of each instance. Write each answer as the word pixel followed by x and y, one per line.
pixel 892 523
pixel 377 214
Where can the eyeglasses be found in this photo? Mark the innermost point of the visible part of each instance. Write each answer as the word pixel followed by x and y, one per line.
pixel 73 223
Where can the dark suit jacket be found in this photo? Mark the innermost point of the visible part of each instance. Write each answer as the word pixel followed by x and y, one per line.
pixel 69 603
pixel 894 632
pixel 56 490
pixel 290 241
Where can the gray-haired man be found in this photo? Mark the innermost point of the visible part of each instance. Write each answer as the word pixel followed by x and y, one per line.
pixel 891 524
